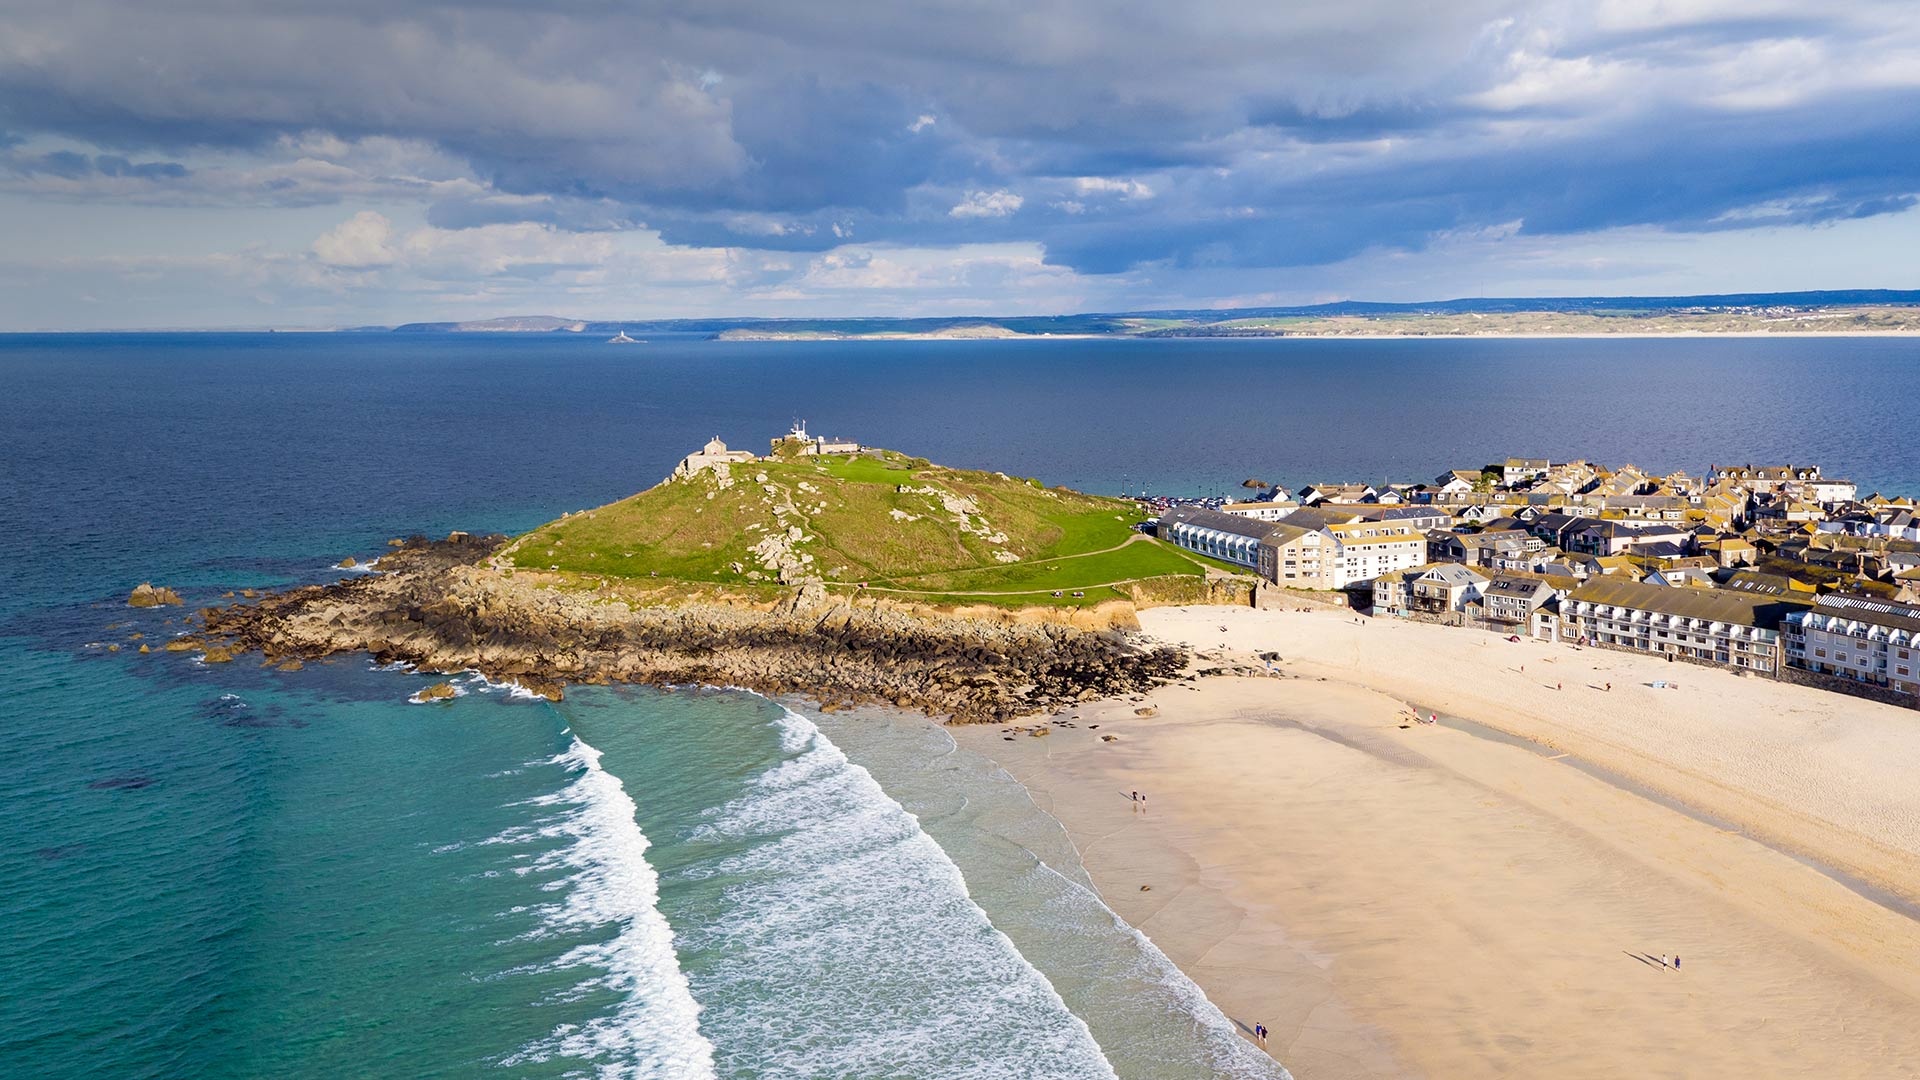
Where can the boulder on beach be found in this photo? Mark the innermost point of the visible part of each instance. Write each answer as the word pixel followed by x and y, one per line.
pixel 184 644
pixel 146 595
pixel 348 563
pixel 1146 710
pixel 217 656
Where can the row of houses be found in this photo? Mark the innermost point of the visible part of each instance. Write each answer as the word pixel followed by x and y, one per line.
pixel 1306 552
pixel 1674 571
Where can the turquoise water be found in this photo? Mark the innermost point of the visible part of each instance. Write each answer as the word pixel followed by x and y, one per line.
pixel 229 871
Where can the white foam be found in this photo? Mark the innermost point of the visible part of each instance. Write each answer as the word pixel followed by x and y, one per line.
pixel 655 1031
pixel 849 946
pixel 507 686
pixel 1150 1019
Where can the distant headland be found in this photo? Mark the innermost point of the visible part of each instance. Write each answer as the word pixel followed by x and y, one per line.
pixel 1831 312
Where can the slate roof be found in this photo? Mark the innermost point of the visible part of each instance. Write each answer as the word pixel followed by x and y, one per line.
pixel 1877 612
pixel 1716 605
pixel 1214 519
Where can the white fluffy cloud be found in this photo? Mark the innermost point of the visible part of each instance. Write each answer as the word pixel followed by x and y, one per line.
pixel 987 204
pixel 361 242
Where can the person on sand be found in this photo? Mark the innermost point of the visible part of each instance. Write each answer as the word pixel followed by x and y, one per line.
pixel 1260 1033
pixel 1559 686
pixel 1676 961
pixel 1609 688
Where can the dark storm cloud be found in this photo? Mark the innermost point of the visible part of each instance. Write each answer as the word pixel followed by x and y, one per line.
pixel 1226 134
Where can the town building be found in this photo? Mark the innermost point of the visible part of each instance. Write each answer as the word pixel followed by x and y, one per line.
pixel 1418 517
pixel 1867 641
pixel 1762 478
pixel 1307 554
pixel 1510 601
pixel 1298 558
pixel 1270 510
pixel 1445 587
pixel 1227 537
pixel 1313 494
pixel 1366 549
pixel 1427 589
pixel 1713 626
pixel 1514 470
pixel 1603 538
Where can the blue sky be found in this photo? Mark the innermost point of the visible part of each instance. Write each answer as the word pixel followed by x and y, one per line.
pixel 250 162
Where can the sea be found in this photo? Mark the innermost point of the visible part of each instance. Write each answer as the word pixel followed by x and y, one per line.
pixel 227 870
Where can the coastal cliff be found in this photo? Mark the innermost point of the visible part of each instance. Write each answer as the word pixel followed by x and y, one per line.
pixel 441 606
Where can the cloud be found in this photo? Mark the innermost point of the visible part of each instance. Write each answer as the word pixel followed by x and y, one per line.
pixel 1102 185
pixel 1123 139
pixel 987 204
pixel 360 242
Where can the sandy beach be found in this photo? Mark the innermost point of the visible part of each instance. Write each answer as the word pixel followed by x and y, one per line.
pixel 1395 899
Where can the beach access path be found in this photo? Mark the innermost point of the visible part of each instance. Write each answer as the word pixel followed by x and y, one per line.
pixel 1398 899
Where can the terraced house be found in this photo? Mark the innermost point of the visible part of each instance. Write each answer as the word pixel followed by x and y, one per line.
pixel 1227 537
pixel 1868 641
pixel 1713 626
pixel 1310 555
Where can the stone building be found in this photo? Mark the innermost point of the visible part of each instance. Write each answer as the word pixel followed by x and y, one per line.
pixel 710 455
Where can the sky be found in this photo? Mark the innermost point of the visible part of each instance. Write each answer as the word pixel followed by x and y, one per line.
pixel 205 163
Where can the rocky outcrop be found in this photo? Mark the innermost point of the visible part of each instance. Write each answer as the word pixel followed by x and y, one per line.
pixel 439 608
pixel 146 594
pixel 439 691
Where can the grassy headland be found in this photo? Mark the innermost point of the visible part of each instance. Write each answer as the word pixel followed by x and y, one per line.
pixel 902 527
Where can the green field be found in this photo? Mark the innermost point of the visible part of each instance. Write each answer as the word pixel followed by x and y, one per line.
pixel 902 526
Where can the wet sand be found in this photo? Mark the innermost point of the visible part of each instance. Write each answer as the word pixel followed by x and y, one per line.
pixel 1419 901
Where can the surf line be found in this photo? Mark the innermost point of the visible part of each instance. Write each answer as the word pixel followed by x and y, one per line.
pixel 1056 1040
pixel 655 1030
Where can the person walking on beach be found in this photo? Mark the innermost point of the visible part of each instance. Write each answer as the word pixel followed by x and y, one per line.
pixel 1135 799
pixel 1260 1032
pixel 1609 688
pixel 1676 961
pixel 1559 686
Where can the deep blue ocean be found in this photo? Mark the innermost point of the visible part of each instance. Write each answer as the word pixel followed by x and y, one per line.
pixel 229 871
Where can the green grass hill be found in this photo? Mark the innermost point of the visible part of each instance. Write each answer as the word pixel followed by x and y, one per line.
pixel 901 526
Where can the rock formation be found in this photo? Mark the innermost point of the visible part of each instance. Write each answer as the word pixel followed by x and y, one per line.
pixel 439 608
pixel 146 595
